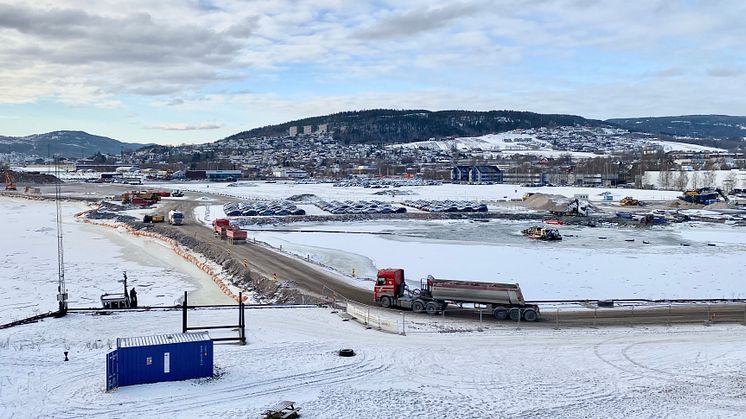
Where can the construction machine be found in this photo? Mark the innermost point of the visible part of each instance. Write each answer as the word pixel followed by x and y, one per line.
pixel 628 201
pixel 9 185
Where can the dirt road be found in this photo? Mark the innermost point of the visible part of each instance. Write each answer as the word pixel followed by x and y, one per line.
pixel 307 277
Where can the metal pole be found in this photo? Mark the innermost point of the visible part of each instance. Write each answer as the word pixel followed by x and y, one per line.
pixel 669 314
pixel 480 319
pixel 403 325
pixel 557 318
pixel 595 316
pixel 184 314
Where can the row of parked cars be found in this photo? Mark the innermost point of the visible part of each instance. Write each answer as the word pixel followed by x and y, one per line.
pixel 384 183
pixel 360 207
pixel 447 206
pixel 261 208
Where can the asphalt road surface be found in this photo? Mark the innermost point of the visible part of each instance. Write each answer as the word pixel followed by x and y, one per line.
pixel 306 276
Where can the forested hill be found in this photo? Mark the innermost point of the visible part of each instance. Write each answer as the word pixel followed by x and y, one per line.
pixel 398 126
pixel 701 126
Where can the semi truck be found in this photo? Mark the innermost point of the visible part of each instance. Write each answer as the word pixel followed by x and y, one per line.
pixel 434 295
pixel 175 217
pixel 220 226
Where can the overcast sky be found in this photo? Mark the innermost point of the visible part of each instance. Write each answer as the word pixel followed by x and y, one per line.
pixel 190 71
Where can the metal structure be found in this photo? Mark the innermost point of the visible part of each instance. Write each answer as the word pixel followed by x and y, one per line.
pixel 241 326
pixel 61 288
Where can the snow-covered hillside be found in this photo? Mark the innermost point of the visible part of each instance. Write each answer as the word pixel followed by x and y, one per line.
pixel 579 142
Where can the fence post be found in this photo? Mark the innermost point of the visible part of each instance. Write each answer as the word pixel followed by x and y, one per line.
pixel 595 316
pixel 403 324
pixel 556 327
pixel 669 314
pixel 708 320
pixel 632 319
pixel 480 319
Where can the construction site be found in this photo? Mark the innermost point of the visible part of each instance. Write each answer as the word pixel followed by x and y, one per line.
pixel 256 286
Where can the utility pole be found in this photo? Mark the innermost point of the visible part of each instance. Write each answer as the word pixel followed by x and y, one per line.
pixel 61 289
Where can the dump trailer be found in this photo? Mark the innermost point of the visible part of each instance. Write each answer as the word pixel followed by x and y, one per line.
pixel 235 235
pixel 220 226
pixel 175 217
pixel 505 300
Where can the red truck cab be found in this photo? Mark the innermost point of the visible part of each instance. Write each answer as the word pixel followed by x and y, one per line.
pixel 219 226
pixel 390 282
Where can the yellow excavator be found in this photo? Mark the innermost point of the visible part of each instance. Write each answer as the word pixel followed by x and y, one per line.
pixel 628 201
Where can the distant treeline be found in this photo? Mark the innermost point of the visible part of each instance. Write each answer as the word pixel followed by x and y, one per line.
pixel 384 126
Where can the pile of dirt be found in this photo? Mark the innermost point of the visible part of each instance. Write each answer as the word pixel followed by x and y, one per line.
pixel 547 202
pixel 29 178
pixel 719 205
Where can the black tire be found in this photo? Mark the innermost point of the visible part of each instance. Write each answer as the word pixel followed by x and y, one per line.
pixel 418 306
pixel 515 314
pixel 530 315
pixel 500 313
pixel 431 308
pixel 385 302
pixel 346 352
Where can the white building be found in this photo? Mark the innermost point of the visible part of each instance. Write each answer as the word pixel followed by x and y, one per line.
pixel 289 172
pixel 293 131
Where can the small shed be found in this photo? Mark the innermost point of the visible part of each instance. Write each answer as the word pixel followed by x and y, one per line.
pixel 152 359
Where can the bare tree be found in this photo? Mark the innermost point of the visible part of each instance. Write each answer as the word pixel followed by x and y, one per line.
pixel 695 180
pixel 709 179
pixel 682 181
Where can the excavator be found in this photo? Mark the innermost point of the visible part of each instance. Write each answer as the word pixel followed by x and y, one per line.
pixel 9 185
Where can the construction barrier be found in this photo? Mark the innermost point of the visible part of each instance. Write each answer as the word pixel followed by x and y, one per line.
pixel 373 318
pixel 175 247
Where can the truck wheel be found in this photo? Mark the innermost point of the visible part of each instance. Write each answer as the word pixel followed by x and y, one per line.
pixel 385 302
pixel 500 313
pixel 418 306
pixel 431 308
pixel 530 315
pixel 515 314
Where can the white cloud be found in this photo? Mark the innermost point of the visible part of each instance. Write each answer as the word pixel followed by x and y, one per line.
pixel 597 58
pixel 184 127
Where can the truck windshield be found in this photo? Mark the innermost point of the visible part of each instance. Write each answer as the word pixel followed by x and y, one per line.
pixel 381 281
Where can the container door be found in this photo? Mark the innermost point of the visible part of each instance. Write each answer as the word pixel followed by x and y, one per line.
pixel 166 362
pixel 112 370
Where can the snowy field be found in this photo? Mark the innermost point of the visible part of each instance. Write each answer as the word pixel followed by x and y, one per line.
pixel 326 191
pixel 691 260
pixel 94 260
pixel 692 371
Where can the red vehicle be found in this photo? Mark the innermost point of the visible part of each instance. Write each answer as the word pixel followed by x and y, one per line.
pixel 219 227
pixel 505 300
pixel 236 235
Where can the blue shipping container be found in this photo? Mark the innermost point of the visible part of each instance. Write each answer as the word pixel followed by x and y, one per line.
pixel 152 359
